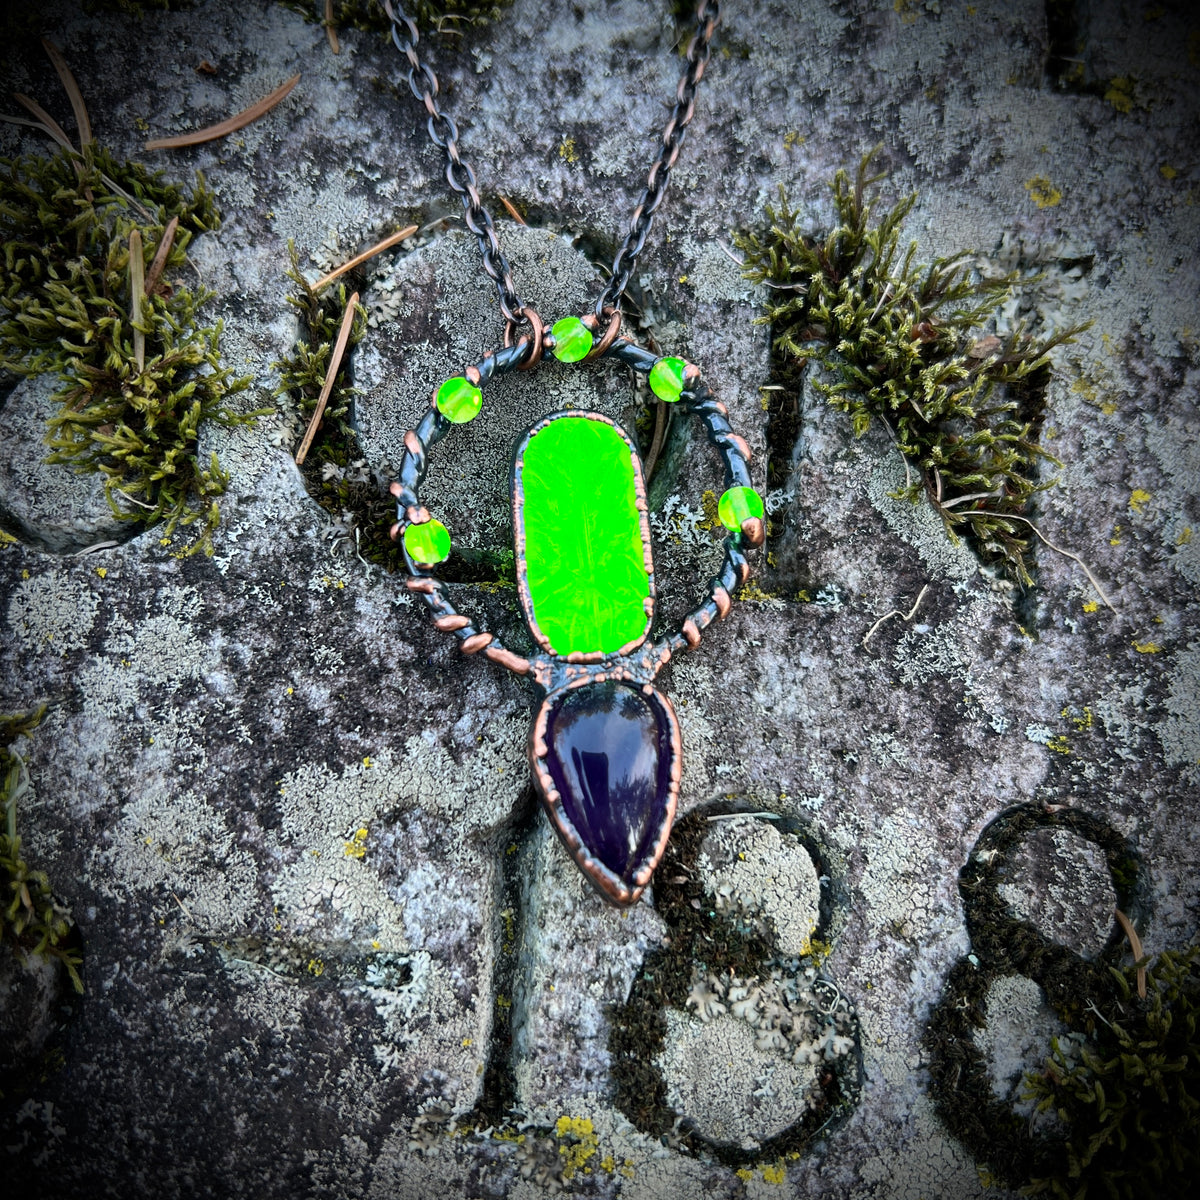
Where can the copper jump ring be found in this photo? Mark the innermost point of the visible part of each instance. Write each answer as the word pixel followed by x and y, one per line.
pixel 610 334
pixel 534 356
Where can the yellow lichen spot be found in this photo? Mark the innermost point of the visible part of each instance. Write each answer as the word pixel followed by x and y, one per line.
pixel 1086 721
pixel 1090 606
pixel 971 10
pixel 316 967
pixel 712 515
pixel 367 762
pixel 1120 93
pixel 1115 540
pixel 102 572
pixel 907 10
pixel 468 1042
pixel 1147 647
pixel 1059 744
pixel 608 1163
pixel 627 1168
pixel 357 846
pixel 793 138
pixel 6 538
pixel 503 1001
pixel 164 541
pixel 579 1143
pixel 376 945
pixel 774 1172
pixel 683 279
pixel 1138 499
pixel 752 593
pixel 25 574
pixel 1185 538
pixel 744 1174
pixel 1167 171
pixel 566 149
pixel 1042 192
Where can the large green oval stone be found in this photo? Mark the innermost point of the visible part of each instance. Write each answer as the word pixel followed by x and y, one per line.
pixel 586 567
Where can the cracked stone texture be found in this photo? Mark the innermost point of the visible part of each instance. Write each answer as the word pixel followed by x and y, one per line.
pixel 271 997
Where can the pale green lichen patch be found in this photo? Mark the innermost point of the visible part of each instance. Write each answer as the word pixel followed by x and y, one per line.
pixel 52 613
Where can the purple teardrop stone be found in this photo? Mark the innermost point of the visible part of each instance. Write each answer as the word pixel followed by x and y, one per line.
pixel 609 753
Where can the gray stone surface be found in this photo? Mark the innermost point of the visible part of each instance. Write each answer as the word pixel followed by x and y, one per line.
pixel 48 505
pixel 279 1005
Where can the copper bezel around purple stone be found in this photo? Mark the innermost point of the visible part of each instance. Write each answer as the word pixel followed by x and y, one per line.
pixel 621 890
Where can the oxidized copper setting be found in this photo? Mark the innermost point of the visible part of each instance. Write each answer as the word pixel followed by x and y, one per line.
pixel 635 664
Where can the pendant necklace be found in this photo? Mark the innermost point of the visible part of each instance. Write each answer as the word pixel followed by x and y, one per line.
pixel 605 747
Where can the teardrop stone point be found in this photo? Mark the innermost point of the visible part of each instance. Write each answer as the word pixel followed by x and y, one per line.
pixel 606 757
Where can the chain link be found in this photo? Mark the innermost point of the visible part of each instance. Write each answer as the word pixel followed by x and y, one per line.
pixel 443 132
pixel 699 48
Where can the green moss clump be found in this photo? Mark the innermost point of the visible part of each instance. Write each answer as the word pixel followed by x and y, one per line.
pixel 904 344
pixel 133 393
pixel 1130 1096
pixel 31 921
pixel 368 16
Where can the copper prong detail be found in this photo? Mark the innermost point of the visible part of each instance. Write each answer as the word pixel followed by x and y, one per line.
pixel 417 514
pixel 413 444
pixel 396 488
pixel 506 658
pixel 394 532
pixel 419 583
pixel 754 531
pixel 742 445
pixel 691 633
pixel 722 601
pixel 472 376
pixel 476 642
pixel 450 624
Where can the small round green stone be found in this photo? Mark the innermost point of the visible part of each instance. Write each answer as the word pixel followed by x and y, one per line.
pixel 572 339
pixel 666 379
pixel 428 543
pixel 737 505
pixel 459 400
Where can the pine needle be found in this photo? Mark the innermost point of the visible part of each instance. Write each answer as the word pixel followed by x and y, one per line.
pixel 335 362
pixel 359 259
pixel 137 291
pixel 160 258
pixel 1135 944
pixel 512 211
pixel 330 30
pixel 48 123
pixel 212 132
pixel 72 89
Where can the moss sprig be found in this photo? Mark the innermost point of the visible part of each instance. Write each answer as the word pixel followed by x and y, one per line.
pixel 1129 1098
pixel 907 344
pixel 32 923
pixel 138 372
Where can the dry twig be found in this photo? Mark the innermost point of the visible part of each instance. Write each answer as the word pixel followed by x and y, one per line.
pixel 908 616
pixel 358 259
pixel 335 361
pixel 232 125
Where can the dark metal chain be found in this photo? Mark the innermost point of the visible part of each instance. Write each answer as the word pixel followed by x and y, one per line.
pixel 443 132
pixel 699 48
